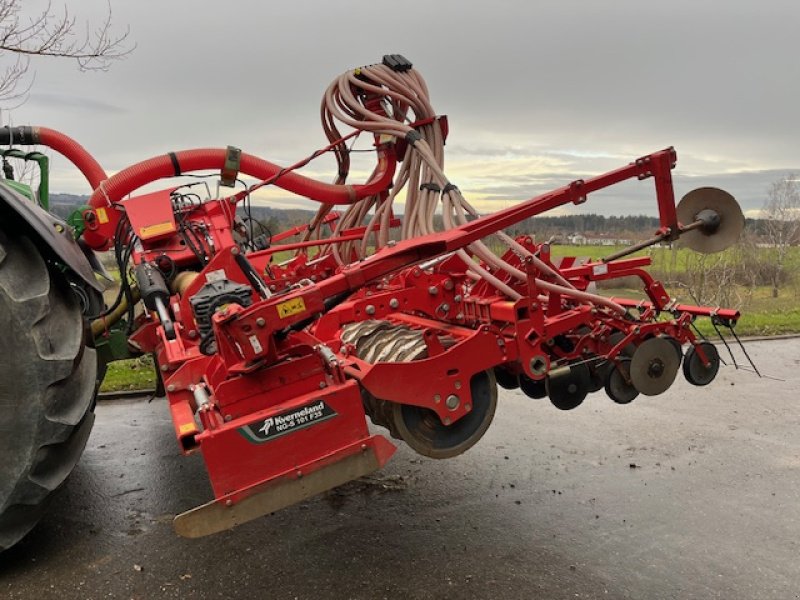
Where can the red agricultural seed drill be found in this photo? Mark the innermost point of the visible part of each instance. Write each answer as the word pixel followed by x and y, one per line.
pixel 270 368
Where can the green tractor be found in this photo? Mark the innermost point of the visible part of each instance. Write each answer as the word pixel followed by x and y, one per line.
pixel 50 368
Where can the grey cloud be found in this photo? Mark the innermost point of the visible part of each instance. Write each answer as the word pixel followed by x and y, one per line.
pixel 592 83
pixel 67 102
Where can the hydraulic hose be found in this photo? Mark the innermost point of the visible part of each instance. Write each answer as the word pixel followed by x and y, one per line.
pixel 104 323
pixel 63 144
pixel 176 163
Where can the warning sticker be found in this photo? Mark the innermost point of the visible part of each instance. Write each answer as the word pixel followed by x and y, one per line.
pixel 287 422
pixel 291 307
pixel 217 275
pixel 158 229
pixel 255 344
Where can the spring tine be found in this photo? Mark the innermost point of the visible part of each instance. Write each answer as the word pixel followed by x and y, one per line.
pixel 741 345
pixel 698 332
pixel 705 339
pixel 724 341
pixel 770 377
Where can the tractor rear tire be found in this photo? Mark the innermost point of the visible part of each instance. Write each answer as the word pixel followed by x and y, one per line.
pixel 48 385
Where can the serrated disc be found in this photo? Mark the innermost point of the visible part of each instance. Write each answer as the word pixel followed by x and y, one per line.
pixel 654 366
pixel 721 202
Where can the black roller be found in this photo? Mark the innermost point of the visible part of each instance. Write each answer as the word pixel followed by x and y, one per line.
pixel 675 344
pixel 695 371
pixel 598 374
pixel 568 388
pixel 423 430
pixel 616 338
pixel 618 385
pixel 506 379
pixel 532 388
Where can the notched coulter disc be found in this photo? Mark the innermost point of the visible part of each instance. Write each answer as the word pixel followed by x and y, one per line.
pixel 654 366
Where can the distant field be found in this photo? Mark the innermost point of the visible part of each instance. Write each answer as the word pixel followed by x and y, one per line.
pixel 662 257
pixel 761 313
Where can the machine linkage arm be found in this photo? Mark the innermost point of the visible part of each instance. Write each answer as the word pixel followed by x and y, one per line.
pixel 410 252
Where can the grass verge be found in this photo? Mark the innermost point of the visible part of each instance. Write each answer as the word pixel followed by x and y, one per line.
pixel 134 374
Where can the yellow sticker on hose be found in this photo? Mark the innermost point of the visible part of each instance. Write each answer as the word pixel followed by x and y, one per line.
pixel 102 215
pixel 291 307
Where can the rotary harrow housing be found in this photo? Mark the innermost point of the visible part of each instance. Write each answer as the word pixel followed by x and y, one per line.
pixel 271 368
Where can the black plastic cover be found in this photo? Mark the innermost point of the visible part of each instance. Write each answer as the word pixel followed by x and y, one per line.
pixel 397 62
pixel 24 136
pixel 51 235
pixel 151 285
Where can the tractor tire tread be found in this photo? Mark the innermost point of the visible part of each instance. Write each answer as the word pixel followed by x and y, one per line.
pixel 48 385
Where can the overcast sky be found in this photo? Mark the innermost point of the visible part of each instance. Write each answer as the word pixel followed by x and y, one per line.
pixel 537 93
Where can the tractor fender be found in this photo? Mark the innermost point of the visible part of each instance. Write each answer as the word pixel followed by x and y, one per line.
pixel 52 236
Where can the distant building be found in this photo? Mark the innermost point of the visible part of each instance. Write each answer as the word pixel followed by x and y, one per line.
pixel 578 239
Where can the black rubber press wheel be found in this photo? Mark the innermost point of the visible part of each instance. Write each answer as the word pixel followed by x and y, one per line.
pixel 532 388
pixel 422 429
pixel 618 382
pixel 568 388
pixel 506 379
pixel 48 382
pixel 695 371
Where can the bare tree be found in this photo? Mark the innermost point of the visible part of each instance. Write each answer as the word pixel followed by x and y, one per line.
pixel 711 278
pixel 781 212
pixel 52 32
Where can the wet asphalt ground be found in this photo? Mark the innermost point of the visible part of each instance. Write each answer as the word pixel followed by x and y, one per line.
pixel 693 494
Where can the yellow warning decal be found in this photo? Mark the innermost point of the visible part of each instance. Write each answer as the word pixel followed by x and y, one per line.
pixel 186 428
pixel 291 307
pixel 158 229
pixel 102 215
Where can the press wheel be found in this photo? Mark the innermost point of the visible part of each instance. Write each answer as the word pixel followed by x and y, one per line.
pixel 532 388
pixel 568 389
pixel 424 431
pixel 695 371
pixel 506 379
pixel 618 385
